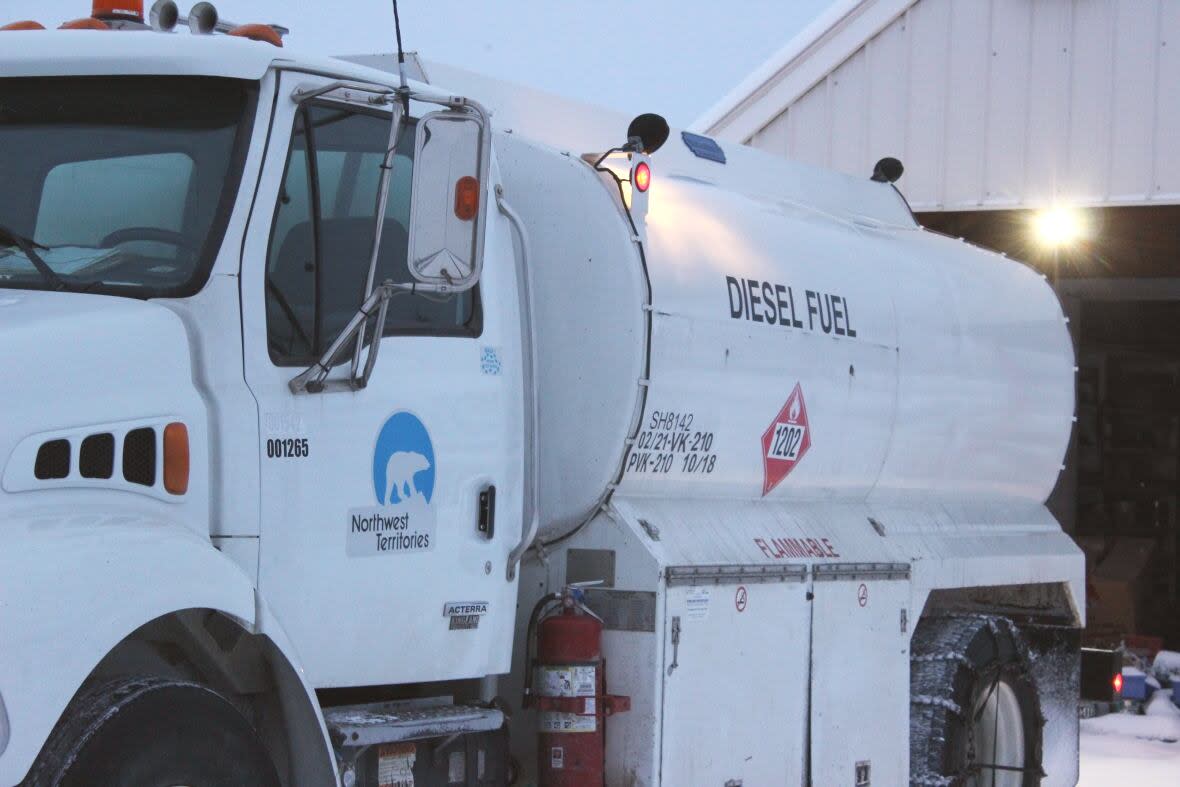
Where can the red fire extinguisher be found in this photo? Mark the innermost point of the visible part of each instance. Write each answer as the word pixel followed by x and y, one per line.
pixel 566 684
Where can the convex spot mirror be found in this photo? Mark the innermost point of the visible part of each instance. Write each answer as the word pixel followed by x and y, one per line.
pixel 450 196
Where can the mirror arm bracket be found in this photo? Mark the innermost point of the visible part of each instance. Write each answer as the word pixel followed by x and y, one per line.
pixel 379 95
pixel 395 127
pixel 314 379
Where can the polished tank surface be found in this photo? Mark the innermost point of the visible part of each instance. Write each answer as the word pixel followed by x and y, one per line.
pixel 588 323
pixel 801 354
pixel 807 340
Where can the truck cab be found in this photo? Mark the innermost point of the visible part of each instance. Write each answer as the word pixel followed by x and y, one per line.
pixel 189 225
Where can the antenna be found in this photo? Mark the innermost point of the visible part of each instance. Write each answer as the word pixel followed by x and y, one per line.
pixel 401 60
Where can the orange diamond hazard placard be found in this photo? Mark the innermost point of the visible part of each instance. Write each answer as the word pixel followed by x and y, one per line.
pixel 785 441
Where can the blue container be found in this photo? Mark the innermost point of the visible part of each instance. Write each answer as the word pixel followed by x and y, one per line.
pixel 1135 686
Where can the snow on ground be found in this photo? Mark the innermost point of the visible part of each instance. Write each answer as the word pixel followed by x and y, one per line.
pixel 1124 748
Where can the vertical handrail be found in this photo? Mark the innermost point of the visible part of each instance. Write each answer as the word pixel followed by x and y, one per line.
pixel 532 408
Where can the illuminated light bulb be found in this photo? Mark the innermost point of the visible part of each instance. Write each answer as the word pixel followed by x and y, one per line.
pixel 1058 227
pixel 642 176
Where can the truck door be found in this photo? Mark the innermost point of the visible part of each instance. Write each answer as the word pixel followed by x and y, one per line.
pixel 387 512
pixel 860 674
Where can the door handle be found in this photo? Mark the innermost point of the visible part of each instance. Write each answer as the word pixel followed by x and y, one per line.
pixel 486 519
pixel 675 645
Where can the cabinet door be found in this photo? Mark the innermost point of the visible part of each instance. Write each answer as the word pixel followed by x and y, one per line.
pixel 860 675
pixel 735 683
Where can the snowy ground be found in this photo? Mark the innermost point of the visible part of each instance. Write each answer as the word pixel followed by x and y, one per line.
pixel 1123 749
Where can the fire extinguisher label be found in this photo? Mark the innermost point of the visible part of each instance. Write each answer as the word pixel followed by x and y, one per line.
pixel 572 681
pixel 395 765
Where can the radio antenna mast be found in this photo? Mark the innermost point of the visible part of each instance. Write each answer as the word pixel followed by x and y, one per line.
pixel 401 59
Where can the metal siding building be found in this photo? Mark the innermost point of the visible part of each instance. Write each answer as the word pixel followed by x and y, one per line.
pixel 1002 112
pixel 989 103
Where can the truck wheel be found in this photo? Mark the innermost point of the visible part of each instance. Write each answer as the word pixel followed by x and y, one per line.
pixel 153 731
pixel 975 718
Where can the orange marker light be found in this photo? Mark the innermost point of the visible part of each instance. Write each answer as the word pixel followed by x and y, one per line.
pixel 176 458
pixel 28 24
pixel 258 33
pixel 86 23
pixel 1118 684
pixel 466 198
pixel 642 176
pixel 126 9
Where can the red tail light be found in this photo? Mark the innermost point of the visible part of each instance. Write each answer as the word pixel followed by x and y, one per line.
pixel 1118 684
pixel 642 176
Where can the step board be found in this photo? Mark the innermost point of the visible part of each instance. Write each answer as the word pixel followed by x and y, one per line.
pixel 393 722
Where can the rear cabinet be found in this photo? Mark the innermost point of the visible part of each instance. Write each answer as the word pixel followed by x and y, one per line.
pixel 793 673
pixel 736 653
pixel 860 675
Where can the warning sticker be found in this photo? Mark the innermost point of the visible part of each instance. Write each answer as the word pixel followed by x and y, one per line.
pixel 568 682
pixel 457 768
pixel 395 765
pixel 785 441
pixel 696 604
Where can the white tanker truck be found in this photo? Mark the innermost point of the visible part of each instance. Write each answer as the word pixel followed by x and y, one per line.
pixel 371 432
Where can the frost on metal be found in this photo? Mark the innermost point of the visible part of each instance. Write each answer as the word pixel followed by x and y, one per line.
pixel 956 657
pixel 932 781
pixel 938 659
pixel 942 702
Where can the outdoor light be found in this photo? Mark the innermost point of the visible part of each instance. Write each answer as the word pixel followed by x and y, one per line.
pixel 642 177
pixel 1058 227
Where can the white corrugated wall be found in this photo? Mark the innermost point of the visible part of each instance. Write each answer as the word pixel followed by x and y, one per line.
pixel 1004 103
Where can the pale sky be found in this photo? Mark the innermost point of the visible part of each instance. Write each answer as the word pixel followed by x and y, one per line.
pixel 675 57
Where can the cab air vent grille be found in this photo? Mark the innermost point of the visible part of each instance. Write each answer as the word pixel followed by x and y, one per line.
pixel 139 457
pixel 53 460
pixel 97 457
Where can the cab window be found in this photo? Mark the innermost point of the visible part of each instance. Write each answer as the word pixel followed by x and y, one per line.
pixel 322 238
pixel 119 185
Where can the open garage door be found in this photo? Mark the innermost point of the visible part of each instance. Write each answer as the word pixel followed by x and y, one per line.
pixel 1117 270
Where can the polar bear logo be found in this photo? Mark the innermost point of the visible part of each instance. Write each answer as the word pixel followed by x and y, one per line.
pixel 403 462
pixel 399 475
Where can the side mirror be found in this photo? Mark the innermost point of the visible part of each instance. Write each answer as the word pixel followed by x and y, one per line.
pixel 450 197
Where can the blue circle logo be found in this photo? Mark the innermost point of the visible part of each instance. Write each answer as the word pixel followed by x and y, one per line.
pixel 403 461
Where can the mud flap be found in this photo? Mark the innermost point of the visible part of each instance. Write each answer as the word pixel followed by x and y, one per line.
pixel 1055 666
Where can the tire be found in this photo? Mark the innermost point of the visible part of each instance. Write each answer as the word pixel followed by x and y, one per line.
pixel 973 704
pixel 152 732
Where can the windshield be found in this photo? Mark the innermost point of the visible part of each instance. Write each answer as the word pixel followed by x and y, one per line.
pixel 118 184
